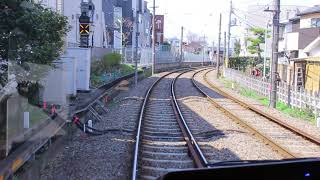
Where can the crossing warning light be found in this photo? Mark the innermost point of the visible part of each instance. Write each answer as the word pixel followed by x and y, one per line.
pixel 84 29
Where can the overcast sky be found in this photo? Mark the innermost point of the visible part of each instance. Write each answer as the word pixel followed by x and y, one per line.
pixel 202 16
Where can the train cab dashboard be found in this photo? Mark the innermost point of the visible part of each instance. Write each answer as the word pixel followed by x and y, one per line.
pixel 291 169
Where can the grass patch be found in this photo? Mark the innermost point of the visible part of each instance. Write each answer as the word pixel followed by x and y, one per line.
pixel 99 78
pixel 304 114
pixel 36 114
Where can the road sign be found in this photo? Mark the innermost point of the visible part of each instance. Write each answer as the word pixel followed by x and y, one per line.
pixel 84 29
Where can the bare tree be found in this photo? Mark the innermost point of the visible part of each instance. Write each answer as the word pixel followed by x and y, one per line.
pixel 195 42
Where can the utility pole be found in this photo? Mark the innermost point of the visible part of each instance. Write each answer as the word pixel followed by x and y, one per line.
pixel 218 49
pixel 224 46
pixel 265 50
pixel 153 37
pixel 275 40
pixel 136 49
pixel 181 44
pixel 212 52
pixel 203 51
pixel 229 34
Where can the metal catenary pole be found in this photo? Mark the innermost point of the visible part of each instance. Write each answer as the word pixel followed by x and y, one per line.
pixel 224 48
pixel 265 50
pixel 229 35
pixel 212 53
pixel 136 49
pixel 181 44
pixel 153 37
pixel 275 40
pixel 203 50
pixel 218 48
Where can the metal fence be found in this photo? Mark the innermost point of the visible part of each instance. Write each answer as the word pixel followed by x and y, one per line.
pixel 164 54
pixel 289 95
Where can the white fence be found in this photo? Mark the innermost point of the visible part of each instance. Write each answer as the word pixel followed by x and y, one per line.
pixel 163 55
pixel 293 96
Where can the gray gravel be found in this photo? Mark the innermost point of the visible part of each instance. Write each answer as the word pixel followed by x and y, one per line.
pixel 161 127
pixel 107 156
pixel 298 123
pixel 284 137
pixel 225 139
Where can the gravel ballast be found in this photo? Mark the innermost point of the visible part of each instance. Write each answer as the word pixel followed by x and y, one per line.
pixel 298 123
pixel 108 156
pixel 219 137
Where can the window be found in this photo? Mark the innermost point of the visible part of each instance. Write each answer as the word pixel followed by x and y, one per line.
pixel 315 22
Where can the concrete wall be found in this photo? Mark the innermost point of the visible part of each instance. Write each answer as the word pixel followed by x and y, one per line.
pixel 55 86
pixel 71 75
pixel 82 57
pixel 290 42
pixel 98 53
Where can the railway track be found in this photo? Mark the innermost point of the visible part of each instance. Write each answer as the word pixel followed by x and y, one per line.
pixel 164 142
pixel 281 137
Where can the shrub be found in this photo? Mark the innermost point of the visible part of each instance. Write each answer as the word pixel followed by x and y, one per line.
pixel 243 62
pixel 110 60
pixel 96 67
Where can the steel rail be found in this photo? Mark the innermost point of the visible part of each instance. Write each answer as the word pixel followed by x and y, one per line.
pixel 268 116
pixel 142 112
pixel 193 146
pixel 281 150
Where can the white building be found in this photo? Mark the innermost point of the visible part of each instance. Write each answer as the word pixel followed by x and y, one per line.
pixel 55 5
pixel 255 16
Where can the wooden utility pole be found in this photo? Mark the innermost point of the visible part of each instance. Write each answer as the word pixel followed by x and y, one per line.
pixel 153 37
pixel 218 49
pixel 181 44
pixel 275 40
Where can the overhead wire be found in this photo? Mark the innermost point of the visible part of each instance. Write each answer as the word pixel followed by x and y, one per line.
pixel 246 21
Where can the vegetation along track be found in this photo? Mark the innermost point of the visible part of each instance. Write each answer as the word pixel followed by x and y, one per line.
pixel 287 140
pixel 164 141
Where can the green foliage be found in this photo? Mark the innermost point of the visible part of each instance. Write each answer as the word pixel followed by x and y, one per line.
pixel 35 34
pixel 117 71
pixel 243 62
pixel 111 60
pixel 97 68
pixel 256 40
pixel 29 33
pixel 237 48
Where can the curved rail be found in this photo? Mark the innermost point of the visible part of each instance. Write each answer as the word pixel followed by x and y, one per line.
pixel 283 151
pixel 194 148
pixel 192 144
pixel 268 116
pixel 142 112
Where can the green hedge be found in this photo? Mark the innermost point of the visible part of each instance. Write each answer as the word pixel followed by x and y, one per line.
pixel 244 62
pixel 111 60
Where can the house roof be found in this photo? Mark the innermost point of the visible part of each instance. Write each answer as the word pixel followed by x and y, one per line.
pixel 314 44
pixel 311 10
pixel 294 18
pixel 307 59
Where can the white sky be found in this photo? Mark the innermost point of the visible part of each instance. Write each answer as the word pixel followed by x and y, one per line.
pixel 202 16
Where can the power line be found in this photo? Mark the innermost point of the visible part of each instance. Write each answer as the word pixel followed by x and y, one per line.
pixel 246 22
pixel 249 13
